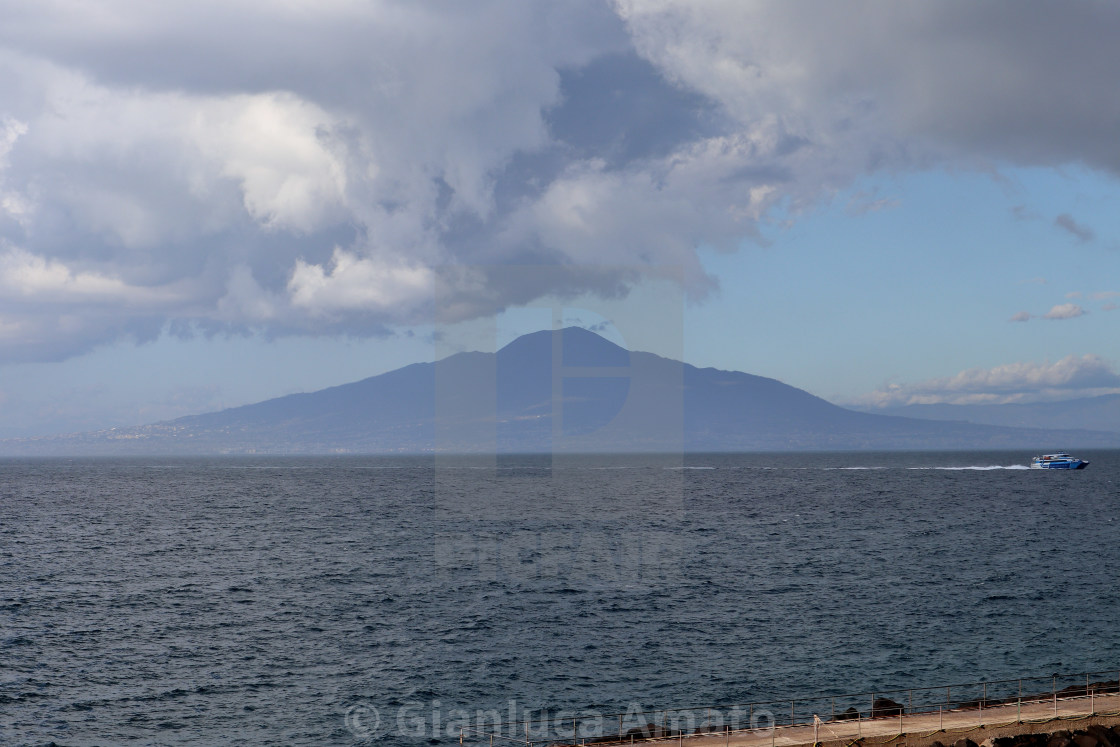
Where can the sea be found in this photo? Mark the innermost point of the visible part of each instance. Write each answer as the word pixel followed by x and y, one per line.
pixel 426 600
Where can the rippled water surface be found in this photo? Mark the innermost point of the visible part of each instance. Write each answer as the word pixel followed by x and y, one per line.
pixel 259 601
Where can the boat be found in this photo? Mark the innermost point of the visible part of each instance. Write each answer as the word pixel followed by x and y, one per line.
pixel 1059 460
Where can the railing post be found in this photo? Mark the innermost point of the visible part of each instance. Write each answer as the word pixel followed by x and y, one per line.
pixel 792 717
pixel 940 718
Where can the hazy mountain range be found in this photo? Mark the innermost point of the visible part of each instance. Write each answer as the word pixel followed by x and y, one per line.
pixel 566 390
pixel 1095 413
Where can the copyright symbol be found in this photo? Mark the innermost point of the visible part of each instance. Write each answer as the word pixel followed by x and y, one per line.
pixel 362 720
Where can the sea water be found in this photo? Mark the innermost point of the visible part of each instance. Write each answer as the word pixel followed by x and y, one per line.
pixel 360 600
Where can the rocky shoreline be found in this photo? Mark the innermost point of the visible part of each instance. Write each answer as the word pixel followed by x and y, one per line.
pixel 1095 735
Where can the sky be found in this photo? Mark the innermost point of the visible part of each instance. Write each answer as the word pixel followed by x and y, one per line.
pixel 882 202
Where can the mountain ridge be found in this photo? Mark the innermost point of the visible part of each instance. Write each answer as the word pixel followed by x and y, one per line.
pixel 563 390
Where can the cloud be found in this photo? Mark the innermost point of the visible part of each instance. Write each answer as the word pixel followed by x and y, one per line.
pixel 1064 311
pixel 303 168
pixel 1066 222
pixel 944 77
pixel 1069 377
pixel 23 275
pixel 1107 296
pixel 869 202
pixel 354 283
pixel 233 174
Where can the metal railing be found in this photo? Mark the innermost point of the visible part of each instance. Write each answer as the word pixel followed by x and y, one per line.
pixel 844 716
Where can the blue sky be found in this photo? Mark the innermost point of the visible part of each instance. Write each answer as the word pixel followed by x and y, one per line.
pixel 209 204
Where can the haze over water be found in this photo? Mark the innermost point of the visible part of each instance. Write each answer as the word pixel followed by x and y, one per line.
pixel 212 601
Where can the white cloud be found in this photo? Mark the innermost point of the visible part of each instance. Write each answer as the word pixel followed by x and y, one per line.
pixel 11 202
pixel 1014 382
pixel 27 277
pixel 277 148
pixel 1020 316
pixel 656 215
pixel 233 174
pixel 1064 311
pixel 360 284
pixel 143 169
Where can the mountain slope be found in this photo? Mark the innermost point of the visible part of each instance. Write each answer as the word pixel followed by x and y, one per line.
pixel 568 390
pixel 1097 413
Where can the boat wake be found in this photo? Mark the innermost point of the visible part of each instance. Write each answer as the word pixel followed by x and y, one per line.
pixel 982 468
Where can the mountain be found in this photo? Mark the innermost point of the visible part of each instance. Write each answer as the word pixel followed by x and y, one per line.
pixel 566 390
pixel 1096 413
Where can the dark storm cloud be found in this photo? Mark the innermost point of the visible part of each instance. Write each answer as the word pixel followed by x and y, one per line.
pixel 620 108
pixel 1030 81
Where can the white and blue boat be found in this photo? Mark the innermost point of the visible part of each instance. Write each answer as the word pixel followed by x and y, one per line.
pixel 1060 460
